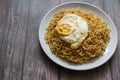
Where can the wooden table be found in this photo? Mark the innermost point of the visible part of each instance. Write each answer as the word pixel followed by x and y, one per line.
pixel 21 56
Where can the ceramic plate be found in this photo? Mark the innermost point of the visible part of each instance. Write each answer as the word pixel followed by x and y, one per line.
pixel 110 49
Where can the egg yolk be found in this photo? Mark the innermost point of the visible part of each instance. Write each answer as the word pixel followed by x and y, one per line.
pixel 63 29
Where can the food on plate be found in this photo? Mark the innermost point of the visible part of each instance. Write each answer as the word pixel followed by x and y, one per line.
pixel 77 36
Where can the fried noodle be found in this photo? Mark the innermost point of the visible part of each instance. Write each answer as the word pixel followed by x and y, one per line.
pixel 93 46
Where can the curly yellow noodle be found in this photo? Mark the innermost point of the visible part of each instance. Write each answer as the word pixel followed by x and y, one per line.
pixel 93 46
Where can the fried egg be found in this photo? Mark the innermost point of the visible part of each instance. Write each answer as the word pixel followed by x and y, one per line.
pixel 72 29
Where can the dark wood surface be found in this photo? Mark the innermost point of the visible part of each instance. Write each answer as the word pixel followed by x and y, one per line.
pixel 21 56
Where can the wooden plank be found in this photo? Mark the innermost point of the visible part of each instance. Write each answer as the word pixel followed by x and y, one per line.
pixel 98 3
pixel 14 38
pixel 87 1
pixel 37 65
pixel 3 19
pixel 101 73
pixel 113 10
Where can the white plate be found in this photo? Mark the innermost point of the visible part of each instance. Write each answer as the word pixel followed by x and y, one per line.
pixel 92 64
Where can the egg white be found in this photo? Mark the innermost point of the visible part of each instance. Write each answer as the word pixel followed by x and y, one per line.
pixel 79 29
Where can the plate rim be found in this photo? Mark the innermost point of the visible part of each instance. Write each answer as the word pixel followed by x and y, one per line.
pixel 84 3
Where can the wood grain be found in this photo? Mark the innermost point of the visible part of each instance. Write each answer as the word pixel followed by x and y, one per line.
pixel 115 63
pixel 21 56
pixel 36 65
pixel 3 19
pixel 14 44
